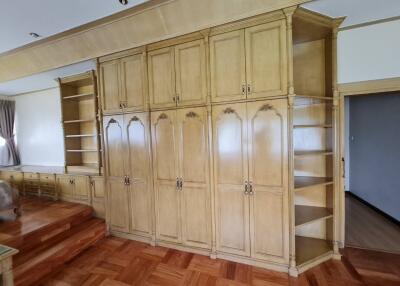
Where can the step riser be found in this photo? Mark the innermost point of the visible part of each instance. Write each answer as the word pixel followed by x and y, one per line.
pixel 51 260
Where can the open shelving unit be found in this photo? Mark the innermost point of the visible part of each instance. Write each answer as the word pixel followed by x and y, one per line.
pixel 80 123
pixel 313 141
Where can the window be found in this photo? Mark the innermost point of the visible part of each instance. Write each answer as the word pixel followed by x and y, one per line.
pixel 2 141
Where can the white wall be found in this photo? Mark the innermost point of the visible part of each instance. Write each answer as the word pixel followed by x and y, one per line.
pixel 369 52
pixel 39 129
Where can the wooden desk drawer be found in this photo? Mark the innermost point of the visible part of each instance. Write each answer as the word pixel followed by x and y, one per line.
pixel 31 176
pixel 47 178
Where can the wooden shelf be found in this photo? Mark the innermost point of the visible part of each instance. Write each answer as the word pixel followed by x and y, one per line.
pixel 80 135
pixel 308 249
pixel 328 98
pixel 79 96
pixel 79 121
pixel 300 154
pixel 313 126
pixel 308 214
pixel 302 182
pixel 81 150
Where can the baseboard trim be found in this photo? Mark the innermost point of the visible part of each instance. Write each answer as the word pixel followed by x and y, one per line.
pixel 389 217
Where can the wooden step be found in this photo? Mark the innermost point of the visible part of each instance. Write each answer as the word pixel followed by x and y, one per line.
pixel 42 264
pixel 34 228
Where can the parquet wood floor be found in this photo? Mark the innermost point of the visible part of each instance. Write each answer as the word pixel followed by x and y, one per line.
pixel 120 262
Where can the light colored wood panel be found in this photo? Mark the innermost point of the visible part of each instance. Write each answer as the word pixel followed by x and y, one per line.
pixel 227 66
pixel 307 214
pixel 110 86
pixel 267 137
pixel 162 78
pixel 97 190
pixel 309 248
pixel 140 209
pixel 113 140
pixel 190 69
pixel 133 82
pixel 118 200
pixel 230 176
pixel 64 187
pixel 81 187
pixel 370 86
pixel 266 60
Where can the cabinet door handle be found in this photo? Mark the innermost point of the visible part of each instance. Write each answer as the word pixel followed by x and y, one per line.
pixel 248 89
pixel 177 183
pixel 92 183
pixel 120 105
pixel 180 184
pixel 246 188
pixel 174 99
pixel 251 188
pixel 128 181
pixel 177 98
pixel 243 89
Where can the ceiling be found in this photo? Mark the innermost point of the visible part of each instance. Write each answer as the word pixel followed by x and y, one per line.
pixel 49 17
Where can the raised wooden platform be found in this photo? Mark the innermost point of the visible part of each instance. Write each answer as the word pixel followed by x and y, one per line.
pixel 49 234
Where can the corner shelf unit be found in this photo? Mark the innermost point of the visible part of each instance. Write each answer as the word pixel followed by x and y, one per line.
pixel 82 141
pixel 313 142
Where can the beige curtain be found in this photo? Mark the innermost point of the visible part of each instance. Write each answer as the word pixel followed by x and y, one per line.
pixel 9 155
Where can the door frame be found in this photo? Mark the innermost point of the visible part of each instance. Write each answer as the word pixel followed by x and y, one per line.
pixel 358 88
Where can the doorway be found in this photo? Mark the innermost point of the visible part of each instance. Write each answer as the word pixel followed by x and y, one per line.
pixel 372 171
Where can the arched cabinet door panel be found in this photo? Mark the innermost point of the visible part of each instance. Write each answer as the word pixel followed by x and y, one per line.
pixel 230 174
pixel 192 126
pixel 165 168
pixel 268 175
pixel 138 162
pixel 114 145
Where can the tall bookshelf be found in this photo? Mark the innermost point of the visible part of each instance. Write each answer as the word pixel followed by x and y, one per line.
pixel 314 157
pixel 79 105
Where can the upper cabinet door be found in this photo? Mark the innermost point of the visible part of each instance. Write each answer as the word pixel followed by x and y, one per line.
pixel 268 176
pixel 110 86
pixel 165 167
pixel 230 174
pixel 227 66
pixel 133 82
pixel 194 171
pixel 162 78
pixel 138 144
pixel 266 60
pixel 114 148
pixel 190 67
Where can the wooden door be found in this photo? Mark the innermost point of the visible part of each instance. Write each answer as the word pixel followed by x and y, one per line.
pixel 190 67
pixel 230 175
pixel 268 175
pixel 64 187
pixel 266 60
pixel 227 66
pixel 110 86
pixel 138 165
pixel 165 167
pixel 81 188
pixel 194 172
pixel 118 200
pixel 133 82
pixel 161 78
pixel 114 149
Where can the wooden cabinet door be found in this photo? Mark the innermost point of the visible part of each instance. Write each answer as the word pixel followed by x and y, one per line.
pixel 161 78
pixel 230 174
pixel 81 188
pixel 64 187
pixel 190 68
pixel 165 167
pixel 266 60
pixel 133 82
pixel 137 142
pixel 110 86
pixel 227 66
pixel 194 171
pixel 118 201
pixel 268 175
pixel 114 148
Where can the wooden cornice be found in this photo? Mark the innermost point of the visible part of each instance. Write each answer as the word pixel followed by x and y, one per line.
pixel 150 22
pixel 370 86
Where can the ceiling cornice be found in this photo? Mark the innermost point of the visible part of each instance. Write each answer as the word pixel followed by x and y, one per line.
pixel 146 23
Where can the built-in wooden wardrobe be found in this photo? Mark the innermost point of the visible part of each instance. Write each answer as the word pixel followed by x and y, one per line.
pixel 222 141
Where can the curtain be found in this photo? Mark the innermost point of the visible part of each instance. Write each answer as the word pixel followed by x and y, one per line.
pixel 9 156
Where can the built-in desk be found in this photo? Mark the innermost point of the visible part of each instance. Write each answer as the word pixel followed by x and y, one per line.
pixel 53 182
pixel 6 273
